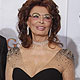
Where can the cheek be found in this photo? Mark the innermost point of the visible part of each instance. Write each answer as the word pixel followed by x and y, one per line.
pixel 32 23
pixel 48 25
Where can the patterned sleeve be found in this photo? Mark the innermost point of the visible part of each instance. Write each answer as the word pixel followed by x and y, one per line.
pixel 68 65
pixel 68 54
pixel 11 61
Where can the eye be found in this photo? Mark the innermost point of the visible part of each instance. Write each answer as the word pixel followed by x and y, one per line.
pixel 47 17
pixel 35 15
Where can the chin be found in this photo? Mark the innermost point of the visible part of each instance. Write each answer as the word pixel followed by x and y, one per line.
pixel 40 34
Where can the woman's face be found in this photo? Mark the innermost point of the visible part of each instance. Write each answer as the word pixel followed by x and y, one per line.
pixel 39 21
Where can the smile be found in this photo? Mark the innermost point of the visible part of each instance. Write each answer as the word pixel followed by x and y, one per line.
pixel 40 28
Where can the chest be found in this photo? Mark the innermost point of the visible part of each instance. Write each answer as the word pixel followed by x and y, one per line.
pixel 34 64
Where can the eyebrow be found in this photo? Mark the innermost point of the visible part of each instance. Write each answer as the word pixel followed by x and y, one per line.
pixel 39 14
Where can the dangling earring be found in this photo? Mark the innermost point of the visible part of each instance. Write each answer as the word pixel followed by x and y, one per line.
pixel 49 32
pixel 27 30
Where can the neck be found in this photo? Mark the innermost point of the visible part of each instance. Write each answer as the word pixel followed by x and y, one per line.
pixel 40 43
pixel 40 40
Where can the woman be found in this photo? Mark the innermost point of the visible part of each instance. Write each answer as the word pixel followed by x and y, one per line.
pixel 3 55
pixel 39 56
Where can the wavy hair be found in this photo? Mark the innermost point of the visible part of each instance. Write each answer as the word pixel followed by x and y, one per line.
pixel 24 11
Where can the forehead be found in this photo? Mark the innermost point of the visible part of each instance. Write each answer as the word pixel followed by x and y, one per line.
pixel 39 9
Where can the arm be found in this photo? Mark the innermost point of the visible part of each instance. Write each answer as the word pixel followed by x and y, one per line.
pixel 11 62
pixel 9 71
pixel 67 62
pixel 68 73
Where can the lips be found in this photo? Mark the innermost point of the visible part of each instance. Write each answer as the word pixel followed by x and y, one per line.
pixel 40 28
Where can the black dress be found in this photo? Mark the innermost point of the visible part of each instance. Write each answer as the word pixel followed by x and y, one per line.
pixel 46 74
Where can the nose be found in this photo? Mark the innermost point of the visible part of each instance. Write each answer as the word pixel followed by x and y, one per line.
pixel 41 20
